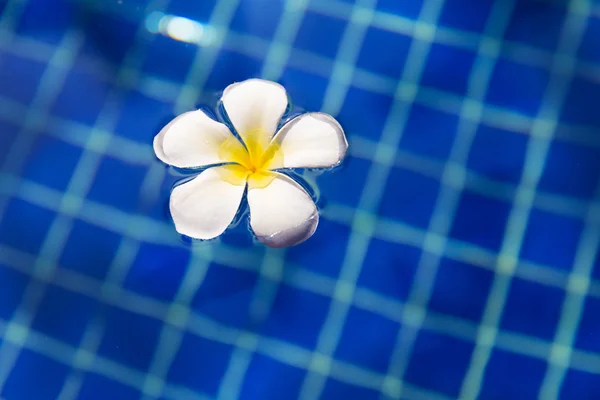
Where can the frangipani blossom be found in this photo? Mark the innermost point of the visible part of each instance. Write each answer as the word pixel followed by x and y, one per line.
pixel 282 213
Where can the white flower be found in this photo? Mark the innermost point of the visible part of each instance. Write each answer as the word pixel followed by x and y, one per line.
pixel 281 212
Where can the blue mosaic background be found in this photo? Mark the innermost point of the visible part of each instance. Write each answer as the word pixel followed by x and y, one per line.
pixel 457 254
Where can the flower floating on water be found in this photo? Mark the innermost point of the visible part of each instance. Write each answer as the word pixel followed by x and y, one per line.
pixel 282 213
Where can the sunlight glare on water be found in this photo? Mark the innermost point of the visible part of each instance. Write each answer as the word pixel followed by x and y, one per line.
pixel 180 28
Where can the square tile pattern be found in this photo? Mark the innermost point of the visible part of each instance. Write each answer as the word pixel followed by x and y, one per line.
pixel 458 244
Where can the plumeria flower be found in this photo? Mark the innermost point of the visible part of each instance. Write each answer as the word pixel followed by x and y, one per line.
pixel 282 213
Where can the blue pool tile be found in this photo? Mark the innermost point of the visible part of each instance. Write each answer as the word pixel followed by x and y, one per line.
pixel 346 183
pixel 498 154
pixel 98 387
pixel 240 235
pixel 226 294
pixel 429 132
pixel 169 59
pixel 551 239
pixel 591 41
pixel 231 67
pixel 142 117
pixel 512 376
pixel 200 364
pixel 389 268
pixel 51 162
pixel 158 271
pixel 328 245
pixel 117 184
pixel 480 220
pixel 460 290
pixel 8 134
pixel 571 170
pixel 580 385
pixel 306 89
pixel 20 78
pixel 579 105
pixel 367 340
pixel 335 389
pixel 283 378
pixel 89 249
pixel 257 18
pixel 34 21
pixel 134 346
pixel 596 267
pixel 409 197
pixel 14 286
pixel 442 374
pixel 198 11
pixel 589 326
pixel 63 314
pixel 437 361
pixel 366 112
pixel 109 35
pixel 437 75
pixel 69 102
pixel 157 207
pixel 329 30
pixel 48 375
pixel 529 16
pixel 517 87
pixel 409 9
pixel 532 309
pixel 308 310
pixel 384 53
pixel 24 226
pixel 470 15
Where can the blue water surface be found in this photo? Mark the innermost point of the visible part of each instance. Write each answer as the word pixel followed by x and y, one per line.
pixel 457 251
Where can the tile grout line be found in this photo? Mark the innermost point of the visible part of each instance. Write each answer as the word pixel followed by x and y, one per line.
pixel 537 150
pixel 281 47
pixel 64 353
pixel 74 134
pixel 170 337
pixel 91 340
pixel 406 91
pixel 8 19
pixel 48 88
pixel 246 345
pixel 440 100
pixel 150 307
pixel 388 230
pixel 344 64
pixel 319 367
pixel 61 227
pixel 588 250
pixel 455 37
pixel 452 184
pixel 198 73
pixel 271 270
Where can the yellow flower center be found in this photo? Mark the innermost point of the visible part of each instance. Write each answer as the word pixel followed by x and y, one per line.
pixel 253 163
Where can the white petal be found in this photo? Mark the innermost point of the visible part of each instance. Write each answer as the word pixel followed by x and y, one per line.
pixel 255 107
pixel 282 213
pixel 205 206
pixel 313 140
pixel 193 139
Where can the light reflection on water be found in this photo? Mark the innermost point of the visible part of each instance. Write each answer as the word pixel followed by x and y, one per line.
pixel 180 28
